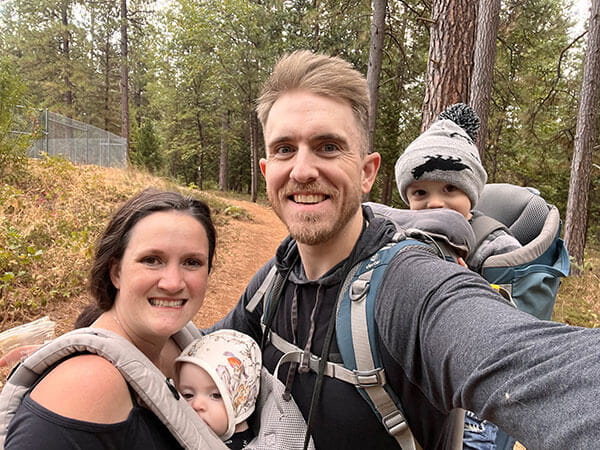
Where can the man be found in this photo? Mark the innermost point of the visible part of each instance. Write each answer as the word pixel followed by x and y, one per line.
pixel 445 338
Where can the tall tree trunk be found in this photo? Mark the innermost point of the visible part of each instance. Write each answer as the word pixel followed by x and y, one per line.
pixel 107 82
pixel 488 19
pixel 450 61
pixel 253 121
pixel 200 154
pixel 586 136
pixel 124 76
pixel 374 70
pixel 66 69
pixel 224 155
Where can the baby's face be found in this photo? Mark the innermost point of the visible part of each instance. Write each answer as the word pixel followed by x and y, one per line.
pixel 201 392
pixel 427 194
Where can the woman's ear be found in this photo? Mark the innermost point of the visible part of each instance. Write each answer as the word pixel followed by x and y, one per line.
pixel 115 273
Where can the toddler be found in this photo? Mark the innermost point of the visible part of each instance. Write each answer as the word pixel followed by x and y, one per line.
pixel 441 169
pixel 219 375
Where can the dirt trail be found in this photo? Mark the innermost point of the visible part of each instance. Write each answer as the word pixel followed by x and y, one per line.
pixel 242 247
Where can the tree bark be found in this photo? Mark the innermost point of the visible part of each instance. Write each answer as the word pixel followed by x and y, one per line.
pixel 450 63
pixel 66 50
pixel 224 155
pixel 374 69
pixel 586 136
pixel 488 20
pixel 124 76
pixel 253 120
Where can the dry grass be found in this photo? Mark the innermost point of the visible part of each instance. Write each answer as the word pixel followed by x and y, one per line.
pixel 578 301
pixel 49 222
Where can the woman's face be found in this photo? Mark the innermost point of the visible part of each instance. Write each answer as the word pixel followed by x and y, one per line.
pixel 161 279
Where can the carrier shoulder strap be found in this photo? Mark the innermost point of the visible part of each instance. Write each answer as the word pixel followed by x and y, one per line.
pixel 483 226
pixel 155 390
pixel 361 366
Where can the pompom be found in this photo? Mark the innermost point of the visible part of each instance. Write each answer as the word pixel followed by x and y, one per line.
pixel 464 116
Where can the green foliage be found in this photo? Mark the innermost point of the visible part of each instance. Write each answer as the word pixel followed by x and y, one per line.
pixel 145 151
pixel 14 140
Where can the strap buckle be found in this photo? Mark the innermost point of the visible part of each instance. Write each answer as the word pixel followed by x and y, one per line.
pixel 394 423
pixel 369 378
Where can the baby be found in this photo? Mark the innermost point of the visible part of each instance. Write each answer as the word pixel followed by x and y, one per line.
pixel 219 375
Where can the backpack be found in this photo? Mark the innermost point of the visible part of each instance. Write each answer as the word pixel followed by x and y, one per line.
pixel 531 274
pixel 355 318
pixel 156 391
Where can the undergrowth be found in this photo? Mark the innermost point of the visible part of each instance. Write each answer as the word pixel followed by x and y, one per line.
pixel 49 222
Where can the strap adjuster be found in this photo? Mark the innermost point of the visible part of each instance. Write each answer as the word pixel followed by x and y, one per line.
pixel 369 378
pixel 395 423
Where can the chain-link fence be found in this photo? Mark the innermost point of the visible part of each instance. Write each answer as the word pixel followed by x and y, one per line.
pixel 78 142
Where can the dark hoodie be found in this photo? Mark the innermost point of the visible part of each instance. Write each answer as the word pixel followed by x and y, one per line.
pixel 447 340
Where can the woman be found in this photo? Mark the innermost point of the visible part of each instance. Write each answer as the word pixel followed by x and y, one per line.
pixel 148 278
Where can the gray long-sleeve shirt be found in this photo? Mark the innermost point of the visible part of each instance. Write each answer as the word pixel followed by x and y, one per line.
pixel 447 341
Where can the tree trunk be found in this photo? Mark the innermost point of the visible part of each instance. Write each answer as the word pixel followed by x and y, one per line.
pixel 374 70
pixel 253 120
pixel 200 154
pixel 586 136
pixel 66 50
pixel 224 156
pixel 488 19
pixel 124 76
pixel 450 61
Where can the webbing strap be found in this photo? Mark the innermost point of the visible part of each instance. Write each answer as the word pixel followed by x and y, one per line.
pixel 391 417
pixel 262 290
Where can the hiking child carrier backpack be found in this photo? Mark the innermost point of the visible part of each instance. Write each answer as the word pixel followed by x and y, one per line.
pixel 274 418
pixel 445 233
pixel 532 273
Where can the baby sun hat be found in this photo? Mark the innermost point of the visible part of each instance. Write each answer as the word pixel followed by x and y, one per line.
pixel 233 360
pixel 445 152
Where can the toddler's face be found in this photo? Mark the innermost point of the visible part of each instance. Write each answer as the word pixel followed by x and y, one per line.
pixel 427 194
pixel 201 392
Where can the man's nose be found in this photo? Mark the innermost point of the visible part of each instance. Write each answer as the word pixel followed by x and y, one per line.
pixel 305 166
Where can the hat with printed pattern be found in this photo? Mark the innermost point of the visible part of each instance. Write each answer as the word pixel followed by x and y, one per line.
pixel 446 152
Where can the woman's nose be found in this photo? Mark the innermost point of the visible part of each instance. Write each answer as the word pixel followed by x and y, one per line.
pixel 171 279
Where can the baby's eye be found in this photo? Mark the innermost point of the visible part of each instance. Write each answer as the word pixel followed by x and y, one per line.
pixel 418 193
pixel 215 396
pixel 450 188
pixel 188 396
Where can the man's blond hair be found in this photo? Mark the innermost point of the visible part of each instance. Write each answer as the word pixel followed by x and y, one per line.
pixel 319 74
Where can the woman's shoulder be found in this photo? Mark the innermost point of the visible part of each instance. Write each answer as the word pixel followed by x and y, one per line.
pixel 85 387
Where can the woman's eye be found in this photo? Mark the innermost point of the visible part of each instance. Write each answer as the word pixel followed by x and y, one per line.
pixel 150 260
pixel 194 262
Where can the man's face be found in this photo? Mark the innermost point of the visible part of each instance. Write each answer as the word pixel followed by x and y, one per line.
pixel 314 170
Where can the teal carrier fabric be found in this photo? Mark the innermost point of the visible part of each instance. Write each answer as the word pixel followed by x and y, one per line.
pixel 532 274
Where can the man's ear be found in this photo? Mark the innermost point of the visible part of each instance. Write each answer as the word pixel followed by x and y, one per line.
pixel 263 166
pixel 115 273
pixel 371 164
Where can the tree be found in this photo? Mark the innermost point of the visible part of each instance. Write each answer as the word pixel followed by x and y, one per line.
pixel 488 19
pixel 146 148
pixel 374 70
pixel 124 73
pixel 586 137
pixel 448 78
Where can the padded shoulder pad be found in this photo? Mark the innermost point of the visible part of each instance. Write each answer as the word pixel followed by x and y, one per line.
pixel 154 389
pixel 444 224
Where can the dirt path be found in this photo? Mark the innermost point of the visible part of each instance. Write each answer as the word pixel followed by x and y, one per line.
pixel 243 247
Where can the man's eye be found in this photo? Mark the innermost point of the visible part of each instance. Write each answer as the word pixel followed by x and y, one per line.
pixel 284 150
pixel 329 147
